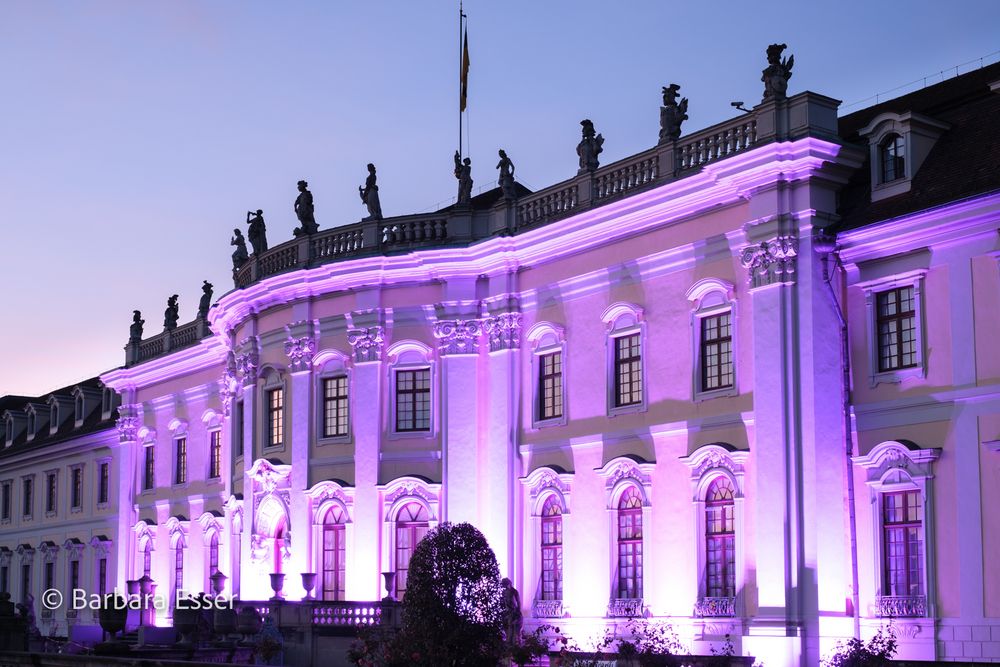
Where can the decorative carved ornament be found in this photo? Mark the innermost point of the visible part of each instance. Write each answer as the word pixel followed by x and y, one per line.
pixel 545 479
pixel 458 336
pixel 916 462
pixel 300 352
pixel 770 262
pixel 623 469
pixel 504 331
pixel 367 343
pixel 229 384
pixel 128 422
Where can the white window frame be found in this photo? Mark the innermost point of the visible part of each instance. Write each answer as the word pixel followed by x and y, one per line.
pixel 9 485
pixel 625 319
pixel 55 500
pixel 872 288
pixel 396 494
pixel 83 486
pixel 273 379
pixel 618 474
pixel 711 297
pixel 28 513
pixel 97 482
pixel 330 364
pixel 547 338
pixel 893 466
pixel 541 484
pixel 323 496
pixel 410 355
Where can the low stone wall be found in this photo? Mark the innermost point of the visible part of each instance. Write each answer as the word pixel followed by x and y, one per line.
pixel 164 658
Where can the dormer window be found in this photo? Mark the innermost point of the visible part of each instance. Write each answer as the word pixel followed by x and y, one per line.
pixel 9 431
pixel 892 159
pixel 106 403
pixel 54 417
pixel 78 409
pixel 31 425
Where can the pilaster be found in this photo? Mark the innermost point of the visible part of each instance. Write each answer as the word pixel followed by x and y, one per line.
pixel 300 346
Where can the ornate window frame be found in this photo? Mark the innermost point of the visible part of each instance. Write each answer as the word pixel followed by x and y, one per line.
pixel 625 319
pixel 147 437
pixel 411 355
pixel 211 526
pixel 540 485
pixel 711 297
pixel 145 534
pixel 394 496
pixel 330 364
pixel 322 497
pixel 179 431
pixel 76 509
pixel 7 496
pixel 51 476
pixel 101 547
pixel 177 534
pixel 547 338
pixel 872 289
pixel 98 465
pixel 28 509
pixel 707 463
pixel 272 378
pixel 893 466
pixel 618 474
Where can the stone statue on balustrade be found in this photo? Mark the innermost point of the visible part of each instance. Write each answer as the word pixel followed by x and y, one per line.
pixel 512 616
pixel 257 232
pixel 206 300
pixel 304 211
pixel 777 73
pixel 506 167
pixel 589 148
pixel 369 195
pixel 463 172
pixel 135 329
pixel 171 314
pixel 672 114
pixel 240 255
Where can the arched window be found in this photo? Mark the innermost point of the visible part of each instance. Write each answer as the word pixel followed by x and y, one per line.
pixel 630 545
pixel 552 552
pixel 720 539
pixel 903 543
pixel 213 554
pixel 411 526
pixel 891 156
pixel 146 549
pixel 178 582
pixel 334 553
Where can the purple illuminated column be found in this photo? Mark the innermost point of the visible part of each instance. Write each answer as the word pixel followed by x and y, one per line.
pixel 364 570
pixel 247 366
pixel 129 418
pixel 300 346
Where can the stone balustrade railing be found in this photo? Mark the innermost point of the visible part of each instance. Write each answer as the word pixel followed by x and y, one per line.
pixel 715 607
pixel 627 175
pixel 626 608
pixel 346 614
pixel 716 143
pixel 548 609
pixel 413 229
pixel 902 606
pixel 547 204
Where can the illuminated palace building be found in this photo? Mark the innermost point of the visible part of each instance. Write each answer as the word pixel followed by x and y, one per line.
pixel 745 382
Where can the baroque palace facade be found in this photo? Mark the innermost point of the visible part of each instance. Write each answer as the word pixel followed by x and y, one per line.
pixel 745 382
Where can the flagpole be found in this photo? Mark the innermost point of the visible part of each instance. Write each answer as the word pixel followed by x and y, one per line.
pixel 461 62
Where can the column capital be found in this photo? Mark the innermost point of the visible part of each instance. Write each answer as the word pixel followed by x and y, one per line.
pixel 300 353
pixel 128 422
pixel 504 331
pixel 458 336
pixel 771 261
pixel 367 343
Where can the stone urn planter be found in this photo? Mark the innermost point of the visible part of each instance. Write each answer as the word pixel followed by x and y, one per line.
pixel 390 586
pixel 248 622
pixel 224 622
pixel 185 623
pixel 277 583
pixel 112 614
pixel 218 582
pixel 308 583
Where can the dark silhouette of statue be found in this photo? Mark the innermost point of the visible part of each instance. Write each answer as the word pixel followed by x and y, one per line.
pixel 304 211
pixel 506 167
pixel 369 195
pixel 206 300
pixel 512 617
pixel 171 314
pixel 240 255
pixel 135 330
pixel 463 172
pixel 257 231
pixel 589 147
pixel 672 114
pixel 777 73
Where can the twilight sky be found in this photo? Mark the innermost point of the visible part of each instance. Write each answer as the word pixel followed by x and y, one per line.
pixel 134 136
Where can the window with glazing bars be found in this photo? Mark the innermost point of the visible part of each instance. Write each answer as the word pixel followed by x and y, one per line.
pixel 411 526
pixel 628 370
pixel 716 352
pixel 5 513
pixel 104 486
pixel 26 499
pixel 178 571
pixel 50 575
pixel 102 576
pixel 181 460
pixel 552 550
pixel 215 454
pixel 550 386
pixel 238 428
pixel 897 329
pixel 213 554
pixel 147 557
pixel 335 406
pixel 413 400
pixel 76 488
pixel 51 487
pixel 275 417
pixel 903 548
pixel 720 539
pixel 74 575
pixel 149 469
pixel 892 158
pixel 630 544
pixel 334 567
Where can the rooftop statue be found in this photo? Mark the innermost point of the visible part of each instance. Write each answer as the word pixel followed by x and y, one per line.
pixel 463 172
pixel 369 195
pixel 170 315
pixel 240 255
pixel 304 211
pixel 506 167
pixel 777 73
pixel 135 330
pixel 672 114
pixel 206 300
pixel 257 231
pixel 589 147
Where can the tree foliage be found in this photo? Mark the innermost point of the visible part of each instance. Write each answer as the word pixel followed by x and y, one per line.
pixel 877 652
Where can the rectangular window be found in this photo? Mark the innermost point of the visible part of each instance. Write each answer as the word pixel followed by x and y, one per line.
pixel 149 469
pixel 27 500
pixel 181 460
pixel 333 562
pixel 76 491
pixel 897 329
pixel 630 554
pixel 413 400
pixel 550 386
pixel 5 501
pixel 50 575
pixel 628 370
pixel 74 575
pixel 335 406
pixel 408 535
pixel 903 548
pixel 275 417
pixel 51 487
pixel 25 579
pixel 105 483
pixel 215 454
pixel 4 579
pixel 178 572
pixel 552 557
pixel 716 352
pixel 102 577
pixel 238 429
